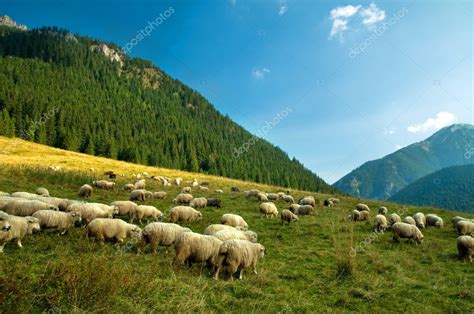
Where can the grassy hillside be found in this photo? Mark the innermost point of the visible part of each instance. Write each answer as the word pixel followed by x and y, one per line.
pixel 310 266
pixel 382 178
pixel 56 90
pixel 451 188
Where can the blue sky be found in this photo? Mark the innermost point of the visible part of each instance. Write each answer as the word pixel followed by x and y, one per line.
pixel 362 78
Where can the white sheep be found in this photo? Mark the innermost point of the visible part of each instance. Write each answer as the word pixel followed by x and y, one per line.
pixel 234 221
pixel 383 210
pixel 363 207
pixel 211 229
pixel 89 212
pixel 394 218
pixel 239 255
pixel 268 209
pixel 219 191
pixel 19 228
pixel 140 184
pixel 21 207
pixel 288 198
pixel 183 198
pixel 58 220
pixel 106 228
pixel 85 191
pixel 304 210
pixel 262 197
pixel 308 200
pixel 160 234
pixel 403 230
pixel 380 223
pixel 251 193
pixel 434 221
pixel 129 187
pixel 124 207
pixel 144 211
pixel 288 216
pixel 204 189
pixel 199 202
pixel 456 219
pixel 184 213
pixel 192 248
pixel 42 192
pixel 273 196
pixel 186 189
pixel 465 246
pixel 420 220
pixel 161 195
pixel 294 208
pixel 465 228
pixel 137 196
pixel 409 220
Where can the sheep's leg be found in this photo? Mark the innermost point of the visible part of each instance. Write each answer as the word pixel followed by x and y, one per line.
pixel 241 275
pixel 216 274
pixel 18 243
pixel 1 247
pixel 255 269
pixel 63 232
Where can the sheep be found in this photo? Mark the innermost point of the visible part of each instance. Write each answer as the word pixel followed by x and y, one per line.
pixel 239 255
pixel 304 210
pixel 234 189
pixel 42 192
pixel 89 211
pixel 465 228
pixel 194 183
pixel 420 220
pixel 409 220
pixel 228 234
pixel 160 195
pixel 234 221
pixel 140 184
pixel 273 196
pixel 214 202
pixel 199 202
pixel 58 220
pixel 364 215
pixel 287 198
pixel 124 207
pixel 107 228
pixel 294 208
pixel 109 185
pixel 219 191
pixel 362 207
pixel 328 203
pixel 267 209
pixel 160 234
pixel 192 248
pixel 262 197
pixel 103 184
pixel 142 211
pixel 355 216
pixel 394 218
pixel 204 189
pixel 129 187
pixel 383 210
pixel 186 189
pixel 211 229
pixel 4 224
pixel 109 209
pixel 85 191
pixel 148 195
pixel 183 199
pixel 380 223
pixel 252 193
pixel 403 230
pixel 184 213
pixel 308 200
pixel 20 207
pixel 137 196
pixel 288 216
pixel 19 228
pixel 465 246
pixel 434 220
pixel 178 181
pixel 334 200
pixel 456 219
pixel 4 194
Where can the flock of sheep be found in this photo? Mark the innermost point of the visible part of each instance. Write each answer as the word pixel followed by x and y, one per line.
pixel 228 243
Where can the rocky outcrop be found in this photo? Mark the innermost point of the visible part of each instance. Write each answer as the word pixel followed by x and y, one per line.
pixel 110 53
pixel 5 20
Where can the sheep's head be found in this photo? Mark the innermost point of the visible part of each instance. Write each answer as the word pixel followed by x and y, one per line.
pixel 77 218
pixel 4 224
pixel 261 251
pixel 33 224
pixel 135 232
pixel 199 216
pixel 251 236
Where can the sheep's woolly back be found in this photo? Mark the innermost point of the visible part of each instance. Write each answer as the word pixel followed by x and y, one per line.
pixel 465 227
pixel 56 219
pixel 434 220
pixel 184 213
pixel 197 247
pixel 409 220
pixel 125 207
pixel 162 233
pixel 20 207
pixel 465 245
pixel 268 208
pixel 404 230
pixel 235 234
pixel 110 228
pixel 394 218
pixel 211 229
pixel 234 221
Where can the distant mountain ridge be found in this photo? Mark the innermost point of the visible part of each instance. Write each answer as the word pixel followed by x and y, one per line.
pixel 382 178
pixel 449 188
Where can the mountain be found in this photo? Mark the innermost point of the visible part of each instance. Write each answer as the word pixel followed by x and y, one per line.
pixel 450 188
pixel 382 178
pixel 81 94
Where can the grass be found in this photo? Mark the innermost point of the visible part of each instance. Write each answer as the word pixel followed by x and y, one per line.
pixel 310 266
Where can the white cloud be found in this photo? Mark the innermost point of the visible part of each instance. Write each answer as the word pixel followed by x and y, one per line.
pixel 260 73
pixel 283 8
pixel 441 120
pixel 340 17
pixel 372 15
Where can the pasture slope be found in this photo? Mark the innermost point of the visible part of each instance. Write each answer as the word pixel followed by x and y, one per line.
pixel 309 266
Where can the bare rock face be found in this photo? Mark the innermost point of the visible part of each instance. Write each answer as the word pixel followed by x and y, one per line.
pixel 110 53
pixel 5 20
